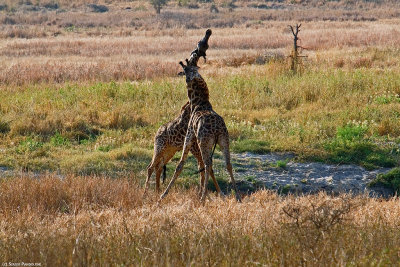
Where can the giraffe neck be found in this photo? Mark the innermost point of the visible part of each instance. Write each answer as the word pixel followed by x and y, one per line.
pixel 198 93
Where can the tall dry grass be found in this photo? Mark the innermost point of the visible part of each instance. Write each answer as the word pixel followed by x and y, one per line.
pixel 155 53
pixel 87 221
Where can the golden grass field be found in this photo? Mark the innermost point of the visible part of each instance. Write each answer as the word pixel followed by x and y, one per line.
pixel 83 93
pixel 96 221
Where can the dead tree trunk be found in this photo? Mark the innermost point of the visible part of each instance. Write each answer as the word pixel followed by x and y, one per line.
pixel 295 52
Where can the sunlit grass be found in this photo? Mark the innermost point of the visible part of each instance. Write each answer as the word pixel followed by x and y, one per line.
pixel 86 126
pixel 103 221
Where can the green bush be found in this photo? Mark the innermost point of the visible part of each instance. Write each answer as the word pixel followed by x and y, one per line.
pixel 282 163
pixel 363 153
pixel 351 133
pixel 28 145
pixel 58 140
pixel 390 179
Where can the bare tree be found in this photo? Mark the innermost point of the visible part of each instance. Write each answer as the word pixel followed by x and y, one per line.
pixel 295 57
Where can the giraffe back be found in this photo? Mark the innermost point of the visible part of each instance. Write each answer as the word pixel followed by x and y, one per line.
pixel 173 133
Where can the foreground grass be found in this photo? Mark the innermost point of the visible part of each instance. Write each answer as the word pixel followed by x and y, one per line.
pixel 100 221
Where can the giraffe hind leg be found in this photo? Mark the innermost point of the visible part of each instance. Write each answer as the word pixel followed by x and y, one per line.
pixel 200 165
pixel 186 147
pixel 153 166
pixel 150 170
pixel 206 154
pixel 223 142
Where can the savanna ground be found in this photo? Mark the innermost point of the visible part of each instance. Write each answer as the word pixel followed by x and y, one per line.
pixel 83 93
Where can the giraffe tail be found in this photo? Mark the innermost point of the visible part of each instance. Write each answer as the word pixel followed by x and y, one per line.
pixel 164 174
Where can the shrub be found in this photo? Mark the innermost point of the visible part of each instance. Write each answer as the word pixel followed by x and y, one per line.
pixel 390 179
pixel 98 8
pixel 282 163
pixel 58 140
pixel 4 127
pixel 158 4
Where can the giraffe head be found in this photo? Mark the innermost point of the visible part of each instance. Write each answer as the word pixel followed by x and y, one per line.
pixel 191 72
pixel 200 50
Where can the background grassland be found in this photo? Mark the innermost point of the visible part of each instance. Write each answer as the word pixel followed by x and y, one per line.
pixel 94 128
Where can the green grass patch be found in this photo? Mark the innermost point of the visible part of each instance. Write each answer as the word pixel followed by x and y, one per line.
pixel 390 179
pixel 350 133
pixel 249 145
pixel 366 154
pixel 59 140
pixel 350 146
pixel 28 145
pixel 281 163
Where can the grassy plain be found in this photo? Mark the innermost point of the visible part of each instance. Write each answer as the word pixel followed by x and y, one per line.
pixel 82 95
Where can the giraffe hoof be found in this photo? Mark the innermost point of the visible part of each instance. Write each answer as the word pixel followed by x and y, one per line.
pixel 163 196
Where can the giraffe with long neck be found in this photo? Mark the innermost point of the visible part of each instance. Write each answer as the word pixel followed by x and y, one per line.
pixel 205 125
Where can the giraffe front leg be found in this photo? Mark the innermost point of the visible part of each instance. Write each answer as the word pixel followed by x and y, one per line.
pixel 178 170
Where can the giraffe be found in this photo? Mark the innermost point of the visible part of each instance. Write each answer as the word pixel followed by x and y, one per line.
pixel 168 140
pixel 205 127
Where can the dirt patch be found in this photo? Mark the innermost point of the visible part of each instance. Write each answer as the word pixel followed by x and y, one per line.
pixel 279 171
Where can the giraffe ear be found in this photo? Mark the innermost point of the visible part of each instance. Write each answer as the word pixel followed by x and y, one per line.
pixel 183 65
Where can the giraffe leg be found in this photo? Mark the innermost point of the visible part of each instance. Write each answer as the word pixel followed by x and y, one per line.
pixel 150 170
pixel 201 168
pixel 159 170
pixel 186 147
pixel 206 148
pixel 200 164
pixel 223 142
pixel 164 173
pixel 154 164
pixel 216 183
pixel 168 153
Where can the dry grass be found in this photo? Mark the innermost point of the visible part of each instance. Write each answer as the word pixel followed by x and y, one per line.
pixel 83 221
pixel 154 53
